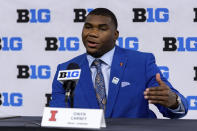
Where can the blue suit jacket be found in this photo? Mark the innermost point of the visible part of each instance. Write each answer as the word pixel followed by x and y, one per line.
pixel 139 69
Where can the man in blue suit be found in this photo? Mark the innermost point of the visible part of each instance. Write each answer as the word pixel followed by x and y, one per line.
pixel 124 82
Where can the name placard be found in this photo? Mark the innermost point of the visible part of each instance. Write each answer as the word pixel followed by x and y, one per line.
pixel 73 118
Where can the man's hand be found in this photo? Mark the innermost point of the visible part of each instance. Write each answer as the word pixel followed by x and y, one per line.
pixel 161 95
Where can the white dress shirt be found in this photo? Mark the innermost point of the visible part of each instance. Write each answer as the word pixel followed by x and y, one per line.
pixel 105 67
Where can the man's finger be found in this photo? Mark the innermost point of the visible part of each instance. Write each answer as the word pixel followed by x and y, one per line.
pixel 158 79
pixel 157 102
pixel 159 98
pixel 158 88
pixel 156 93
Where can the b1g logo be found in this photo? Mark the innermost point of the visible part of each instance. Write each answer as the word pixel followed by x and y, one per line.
pixel 33 15
pixel 33 72
pixel 195 18
pixel 151 15
pixel 11 44
pixel 192 100
pixel 68 75
pixel 180 44
pixel 165 71
pixel 195 77
pixel 64 75
pixel 80 14
pixel 11 99
pixel 62 43
pixel 128 43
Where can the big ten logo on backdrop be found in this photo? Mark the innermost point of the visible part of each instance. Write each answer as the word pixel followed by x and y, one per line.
pixel 80 14
pixel 192 101
pixel 48 99
pixel 62 44
pixel 195 11
pixel 180 44
pixel 128 42
pixel 11 99
pixel 34 71
pixel 151 15
pixel 11 43
pixel 165 71
pixel 195 76
pixel 33 15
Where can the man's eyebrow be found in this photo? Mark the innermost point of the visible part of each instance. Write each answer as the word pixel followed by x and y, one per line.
pixel 100 25
pixel 86 23
pixel 103 24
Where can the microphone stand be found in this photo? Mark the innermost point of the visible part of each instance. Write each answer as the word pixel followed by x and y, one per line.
pixel 69 94
pixel 67 97
pixel 72 95
pixel 71 100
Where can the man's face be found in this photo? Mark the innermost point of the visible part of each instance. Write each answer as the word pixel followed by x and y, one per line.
pixel 99 35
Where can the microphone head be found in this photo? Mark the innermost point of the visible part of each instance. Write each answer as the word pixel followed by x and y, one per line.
pixel 72 66
pixel 72 72
pixel 71 77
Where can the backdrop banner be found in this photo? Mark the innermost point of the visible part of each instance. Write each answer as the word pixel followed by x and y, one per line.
pixel 36 36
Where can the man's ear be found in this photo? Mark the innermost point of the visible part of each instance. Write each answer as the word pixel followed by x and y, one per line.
pixel 116 35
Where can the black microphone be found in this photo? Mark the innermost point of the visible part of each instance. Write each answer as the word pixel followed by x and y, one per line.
pixel 69 85
pixel 69 79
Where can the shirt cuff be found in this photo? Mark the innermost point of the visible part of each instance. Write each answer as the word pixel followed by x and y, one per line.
pixel 180 109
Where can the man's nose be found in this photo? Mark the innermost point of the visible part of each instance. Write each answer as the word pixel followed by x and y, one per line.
pixel 93 33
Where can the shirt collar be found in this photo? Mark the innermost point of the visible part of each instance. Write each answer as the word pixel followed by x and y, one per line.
pixel 106 58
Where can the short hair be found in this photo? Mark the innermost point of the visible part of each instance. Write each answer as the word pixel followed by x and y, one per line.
pixel 105 12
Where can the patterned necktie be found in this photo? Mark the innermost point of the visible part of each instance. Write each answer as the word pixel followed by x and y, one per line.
pixel 100 84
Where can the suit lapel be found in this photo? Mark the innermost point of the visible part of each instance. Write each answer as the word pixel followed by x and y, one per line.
pixel 86 84
pixel 117 70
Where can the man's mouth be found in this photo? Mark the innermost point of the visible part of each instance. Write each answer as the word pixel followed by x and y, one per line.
pixel 91 44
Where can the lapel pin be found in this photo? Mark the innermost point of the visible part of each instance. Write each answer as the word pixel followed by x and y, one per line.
pixel 115 80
